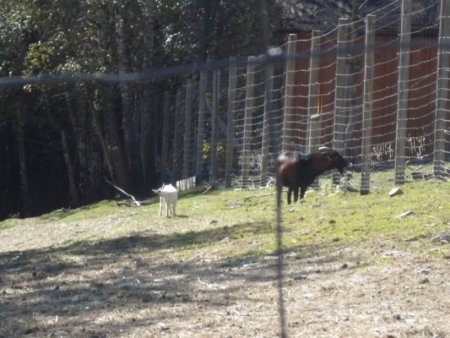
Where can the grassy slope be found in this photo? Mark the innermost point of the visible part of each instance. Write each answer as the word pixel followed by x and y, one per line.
pixel 236 224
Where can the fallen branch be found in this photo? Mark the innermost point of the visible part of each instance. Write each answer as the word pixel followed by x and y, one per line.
pixel 263 195
pixel 135 202
pixel 208 188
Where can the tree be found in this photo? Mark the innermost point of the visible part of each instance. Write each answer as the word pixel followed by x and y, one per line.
pixel 60 139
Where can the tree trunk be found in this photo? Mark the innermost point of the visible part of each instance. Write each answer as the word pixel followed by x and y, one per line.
pixel 166 172
pixel 148 122
pixel 128 114
pixel 5 160
pixel 207 7
pixel 71 176
pixel 74 197
pixel 115 147
pixel 77 118
pixel 103 143
pixel 23 175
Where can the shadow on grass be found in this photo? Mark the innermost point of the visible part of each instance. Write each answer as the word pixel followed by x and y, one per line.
pixel 71 290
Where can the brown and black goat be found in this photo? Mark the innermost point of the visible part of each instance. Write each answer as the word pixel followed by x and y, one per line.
pixel 296 171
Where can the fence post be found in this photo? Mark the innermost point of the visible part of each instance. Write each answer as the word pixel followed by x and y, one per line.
pixel 314 118
pixel 340 96
pixel 266 140
pixel 178 123
pixel 403 91
pixel 288 113
pixel 369 63
pixel 230 121
pixel 354 112
pixel 187 130
pixel 248 117
pixel 443 74
pixel 201 124
pixel 214 110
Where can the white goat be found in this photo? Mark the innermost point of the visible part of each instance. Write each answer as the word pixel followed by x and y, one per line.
pixel 168 196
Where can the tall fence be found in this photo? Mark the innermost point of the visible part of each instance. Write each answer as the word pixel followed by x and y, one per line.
pixel 375 90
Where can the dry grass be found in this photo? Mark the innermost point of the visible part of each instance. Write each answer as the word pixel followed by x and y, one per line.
pixel 352 268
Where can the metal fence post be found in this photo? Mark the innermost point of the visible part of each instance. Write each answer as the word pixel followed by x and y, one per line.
pixel 403 92
pixel 314 118
pixel 248 117
pixel 288 113
pixel 443 72
pixel 369 63
pixel 341 92
pixel 230 120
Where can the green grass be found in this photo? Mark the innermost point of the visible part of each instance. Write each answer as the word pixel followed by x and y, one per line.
pixel 9 223
pixel 92 211
pixel 228 223
pixel 374 220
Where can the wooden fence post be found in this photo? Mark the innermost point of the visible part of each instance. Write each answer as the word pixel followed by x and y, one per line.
pixel 443 74
pixel 369 63
pixel 201 124
pixel 340 96
pixel 266 139
pixel 230 120
pixel 187 130
pixel 314 118
pixel 248 118
pixel 403 91
pixel 214 108
pixel 289 108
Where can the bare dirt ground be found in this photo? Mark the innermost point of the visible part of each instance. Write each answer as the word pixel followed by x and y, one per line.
pixel 136 285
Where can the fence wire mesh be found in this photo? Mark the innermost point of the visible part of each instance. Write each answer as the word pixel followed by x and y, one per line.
pixel 225 121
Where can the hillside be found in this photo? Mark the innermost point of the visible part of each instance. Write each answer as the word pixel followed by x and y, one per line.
pixel 372 266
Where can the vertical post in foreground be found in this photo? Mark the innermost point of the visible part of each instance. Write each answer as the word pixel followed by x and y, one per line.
pixel 281 307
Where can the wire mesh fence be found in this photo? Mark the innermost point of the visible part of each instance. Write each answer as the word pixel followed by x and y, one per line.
pixel 226 120
pixel 375 89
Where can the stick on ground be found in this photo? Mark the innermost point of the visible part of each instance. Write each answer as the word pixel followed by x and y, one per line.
pixel 135 202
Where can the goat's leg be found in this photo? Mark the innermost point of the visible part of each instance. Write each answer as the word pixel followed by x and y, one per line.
pixel 303 190
pixel 161 201
pixel 295 194
pixel 289 192
pixel 167 208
